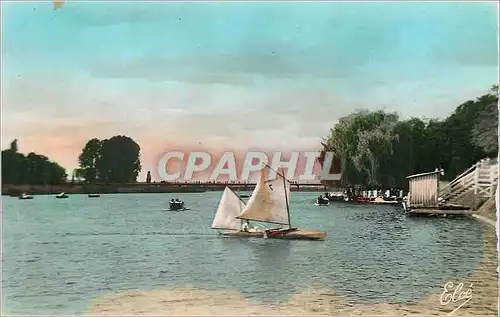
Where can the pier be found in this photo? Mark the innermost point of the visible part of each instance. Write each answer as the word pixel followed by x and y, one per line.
pixel 462 196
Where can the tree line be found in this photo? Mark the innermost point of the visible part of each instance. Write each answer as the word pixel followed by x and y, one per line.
pixel 114 160
pixel 20 169
pixel 378 149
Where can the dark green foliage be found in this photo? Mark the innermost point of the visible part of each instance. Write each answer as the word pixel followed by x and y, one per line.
pixel 88 160
pixel 114 160
pixel 32 169
pixel 377 149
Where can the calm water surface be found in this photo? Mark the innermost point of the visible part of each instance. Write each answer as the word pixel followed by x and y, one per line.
pixel 59 253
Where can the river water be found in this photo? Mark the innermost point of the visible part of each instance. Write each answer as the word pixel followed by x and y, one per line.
pixel 60 253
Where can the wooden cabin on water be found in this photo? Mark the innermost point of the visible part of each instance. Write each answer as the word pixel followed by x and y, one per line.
pixel 423 189
pixel 423 196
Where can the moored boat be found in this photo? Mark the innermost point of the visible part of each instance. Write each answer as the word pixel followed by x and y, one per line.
pixel 25 196
pixel 382 201
pixel 93 195
pixel 62 195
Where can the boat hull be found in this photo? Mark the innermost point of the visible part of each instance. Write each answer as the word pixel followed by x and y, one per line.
pixel 183 209
pixel 322 204
pixel 298 234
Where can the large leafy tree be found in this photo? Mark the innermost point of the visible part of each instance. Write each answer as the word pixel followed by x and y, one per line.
pixel 88 160
pixel 362 140
pixel 114 160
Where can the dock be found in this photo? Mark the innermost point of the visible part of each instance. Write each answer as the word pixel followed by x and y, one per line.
pixel 439 212
pixel 460 197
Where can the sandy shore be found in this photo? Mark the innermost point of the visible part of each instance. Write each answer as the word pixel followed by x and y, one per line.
pixel 191 301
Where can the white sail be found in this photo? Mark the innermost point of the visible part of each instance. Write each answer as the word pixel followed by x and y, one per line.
pixel 269 200
pixel 230 206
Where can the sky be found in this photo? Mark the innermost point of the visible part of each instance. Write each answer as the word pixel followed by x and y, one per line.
pixel 179 76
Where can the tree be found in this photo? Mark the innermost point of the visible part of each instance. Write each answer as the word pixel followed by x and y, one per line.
pixel 89 159
pixel 119 160
pixel 362 140
pixel 485 128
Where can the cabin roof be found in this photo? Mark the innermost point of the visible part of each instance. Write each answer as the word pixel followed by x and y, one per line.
pixel 423 174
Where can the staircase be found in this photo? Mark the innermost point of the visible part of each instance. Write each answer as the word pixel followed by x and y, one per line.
pixel 474 186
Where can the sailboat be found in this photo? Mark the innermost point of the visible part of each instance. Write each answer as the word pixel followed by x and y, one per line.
pixel 230 207
pixel 269 203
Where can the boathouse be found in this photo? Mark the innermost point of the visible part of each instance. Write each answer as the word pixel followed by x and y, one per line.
pixel 424 189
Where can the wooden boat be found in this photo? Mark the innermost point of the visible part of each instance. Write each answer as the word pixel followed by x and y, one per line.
pixel 177 205
pixel 293 234
pixel 94 195
pixel 321 201
pixel 230 207
pixel 269 203
pixel 382 201
pixel 25 196
pixel 62 195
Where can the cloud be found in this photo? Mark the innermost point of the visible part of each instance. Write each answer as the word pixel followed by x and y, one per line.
pixel 57 120
pixel 234 69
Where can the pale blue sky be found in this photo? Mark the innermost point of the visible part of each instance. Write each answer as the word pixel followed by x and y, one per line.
pixel 250 74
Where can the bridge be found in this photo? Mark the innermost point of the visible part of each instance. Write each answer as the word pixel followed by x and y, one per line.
pixel 143 187
pixel 213 186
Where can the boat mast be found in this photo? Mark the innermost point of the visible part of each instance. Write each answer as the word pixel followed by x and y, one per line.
pixel 287 207
pixel 241 200
pixel 238 193
pixel 286 196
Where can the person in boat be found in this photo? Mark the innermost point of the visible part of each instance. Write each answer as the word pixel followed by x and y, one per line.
pixel 321 200
pixel 245 227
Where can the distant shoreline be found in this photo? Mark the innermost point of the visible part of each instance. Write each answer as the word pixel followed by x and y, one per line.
pixel 137 188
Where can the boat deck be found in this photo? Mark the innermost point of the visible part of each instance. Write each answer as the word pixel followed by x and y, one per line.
pixel 299 234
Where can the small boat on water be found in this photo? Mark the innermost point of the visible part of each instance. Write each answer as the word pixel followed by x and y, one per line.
pixel 322 201
pixel 25 196
pixel 94 195
pixel 382 201
pixel 177 205
pixel 269 203
pixel 62 195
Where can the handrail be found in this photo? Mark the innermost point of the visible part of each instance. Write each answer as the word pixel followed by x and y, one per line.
pixel 457 182
pixel 459 177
